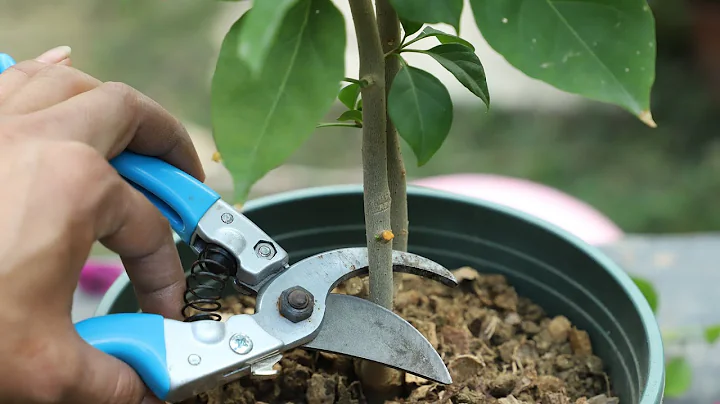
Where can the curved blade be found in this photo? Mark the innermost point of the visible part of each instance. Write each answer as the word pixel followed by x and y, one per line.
pixel 357 327
pixel 319 275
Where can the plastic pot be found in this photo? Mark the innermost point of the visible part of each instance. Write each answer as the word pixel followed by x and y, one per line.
pixel 544 263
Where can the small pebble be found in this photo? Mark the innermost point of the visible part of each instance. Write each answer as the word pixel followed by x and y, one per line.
pixel 603 399
pixel 580 342
pixel 554 398
pixel 321 389
pixel 559 328
pixel 502 385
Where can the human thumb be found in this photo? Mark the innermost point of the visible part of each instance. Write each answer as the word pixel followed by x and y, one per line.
pixel 108 380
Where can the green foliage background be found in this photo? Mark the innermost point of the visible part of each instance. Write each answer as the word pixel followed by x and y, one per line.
pixel 647 180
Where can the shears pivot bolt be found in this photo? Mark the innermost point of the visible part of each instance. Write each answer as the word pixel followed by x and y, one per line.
pixel 296 304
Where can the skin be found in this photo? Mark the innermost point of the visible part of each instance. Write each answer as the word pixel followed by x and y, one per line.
pixel 58 129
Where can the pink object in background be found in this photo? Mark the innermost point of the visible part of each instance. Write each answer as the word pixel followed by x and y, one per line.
pixel 97 275
pixel 541 201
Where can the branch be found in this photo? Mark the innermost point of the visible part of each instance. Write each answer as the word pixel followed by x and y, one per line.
pixel 376 378
pixel 389 27
pixel 374 152
pixel 361 83
pixel 404 46
pixel 338 124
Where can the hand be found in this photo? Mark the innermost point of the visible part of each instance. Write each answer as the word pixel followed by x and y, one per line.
pixel 58 129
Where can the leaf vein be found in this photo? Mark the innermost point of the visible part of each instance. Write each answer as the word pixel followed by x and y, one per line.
pixel 283 83
pixel 587 47
pixel 416 100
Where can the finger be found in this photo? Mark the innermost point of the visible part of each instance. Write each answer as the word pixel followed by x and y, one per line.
pixel 114 116
pixel 142 237
pixel 158 280
pixel 50 85
pixel 105 379
pixel 55 55
pixel 16 76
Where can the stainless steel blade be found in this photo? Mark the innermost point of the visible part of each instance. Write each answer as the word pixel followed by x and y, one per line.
pixel 359 328
pixel 320 274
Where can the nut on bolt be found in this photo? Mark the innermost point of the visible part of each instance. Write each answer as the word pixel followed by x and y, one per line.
pixel 265 250
pixel 296 304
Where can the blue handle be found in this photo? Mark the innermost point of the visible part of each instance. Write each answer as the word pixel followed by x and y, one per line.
pixel 179 196
pixel 137 339
pixel 5 62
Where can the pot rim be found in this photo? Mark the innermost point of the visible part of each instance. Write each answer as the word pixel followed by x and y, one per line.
pixel 656 368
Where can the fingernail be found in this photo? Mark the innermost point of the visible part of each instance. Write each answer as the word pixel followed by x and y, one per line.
pixel 55 55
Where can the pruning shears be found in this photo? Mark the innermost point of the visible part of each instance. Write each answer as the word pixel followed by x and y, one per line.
pixel 294 306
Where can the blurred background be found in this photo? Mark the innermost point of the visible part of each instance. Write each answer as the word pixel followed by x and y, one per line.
pixel 645 180
pixel 649 182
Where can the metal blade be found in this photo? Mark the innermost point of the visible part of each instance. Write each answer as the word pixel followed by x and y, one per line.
pixel 357 327
pixel 320 274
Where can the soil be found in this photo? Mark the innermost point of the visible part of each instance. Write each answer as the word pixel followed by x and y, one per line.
pixel 500 348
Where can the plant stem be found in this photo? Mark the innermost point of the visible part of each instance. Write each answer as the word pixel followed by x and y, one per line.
pixel 390 35
pixel 414 50
pixel 374 152
pixel 355 81
pixel 412 42
pixel 392 51
pixel 338 124
pixel 377 200
pixel 389 381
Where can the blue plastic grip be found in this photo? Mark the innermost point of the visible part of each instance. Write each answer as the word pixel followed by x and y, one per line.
pixel 181 198
pixel 137 339
pixel 5 62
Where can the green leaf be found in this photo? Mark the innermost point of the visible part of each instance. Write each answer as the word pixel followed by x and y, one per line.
pixel 422 111
pixel 352 115
pixel 430 11
pixel 259 122
pixel 443 37
pixel 712 334
pixel 259 31
pixel 359 104
pixel 678 377
pixel 648 290
pixel 349 95
pixel 465 66
pixel 410 27
pixel 600 49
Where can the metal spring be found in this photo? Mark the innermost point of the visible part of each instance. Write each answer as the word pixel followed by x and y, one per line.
pixel 206 283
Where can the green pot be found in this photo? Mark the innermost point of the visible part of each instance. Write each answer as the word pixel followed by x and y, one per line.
pixel 555 269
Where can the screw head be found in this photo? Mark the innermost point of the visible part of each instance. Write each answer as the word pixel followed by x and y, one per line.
pixel 298 299
pixel 296 304
pixel 227 218
pixel 194 359
pixel 241 344
pixel 265 250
